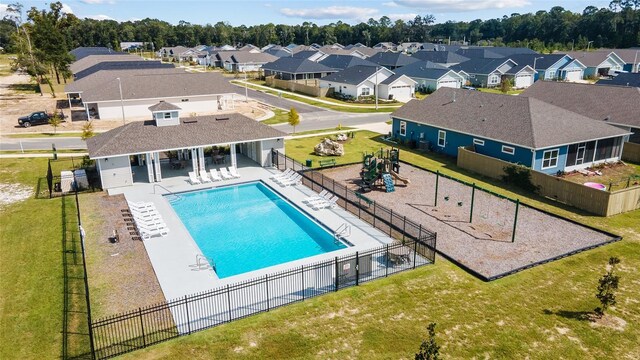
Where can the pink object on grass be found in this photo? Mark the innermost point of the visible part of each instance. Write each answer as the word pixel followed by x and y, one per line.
pixel 596 185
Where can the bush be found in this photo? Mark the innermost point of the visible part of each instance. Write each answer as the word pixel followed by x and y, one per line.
pixel 519 176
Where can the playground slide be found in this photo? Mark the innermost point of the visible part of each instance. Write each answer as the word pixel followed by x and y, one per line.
pixel 402 179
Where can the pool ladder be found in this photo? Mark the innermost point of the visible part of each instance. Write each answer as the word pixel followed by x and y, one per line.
pixel 204 263
pixel 169 192
pixel 342 231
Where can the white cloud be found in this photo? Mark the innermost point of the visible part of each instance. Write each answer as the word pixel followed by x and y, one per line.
pixel 66 9
pixel 3 10
pixel 95 2
pixel 447 6
pixel 403 17
pixel 100 17
pixel 331 12
pixel 390 4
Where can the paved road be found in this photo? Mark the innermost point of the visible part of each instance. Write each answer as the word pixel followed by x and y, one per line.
pixel 42 143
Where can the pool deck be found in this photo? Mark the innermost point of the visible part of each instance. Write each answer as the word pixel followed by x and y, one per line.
pixel 174 257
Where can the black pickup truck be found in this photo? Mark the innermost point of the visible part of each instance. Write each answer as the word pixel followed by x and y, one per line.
pixel 36 118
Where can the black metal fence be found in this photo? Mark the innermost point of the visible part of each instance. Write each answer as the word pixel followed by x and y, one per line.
pixel 126 332
pixel 53 178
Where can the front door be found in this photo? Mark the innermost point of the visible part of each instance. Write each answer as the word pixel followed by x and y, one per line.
pixel 580 153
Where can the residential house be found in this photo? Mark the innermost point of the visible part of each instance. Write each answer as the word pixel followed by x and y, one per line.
pixel 622 79
pixel 131 45
pixel 517 129
pixel 431 76
pixel 362 80
pixel 290 68
pixel 615 105
pixel 174 53
pixel 552 66
pixel 490 72
pixel 385 46
pixel 313 55
pixel 521 76
pixel 82 52
pixel 598 63
pixel 242 60
pixel 341 62
pixel 409 47
pixel 332 50
pixel 89 61
pixel 199 93
pixel 631 58
pixel 278 51
pixel 122 65
pixel 444 58
pixel 391 60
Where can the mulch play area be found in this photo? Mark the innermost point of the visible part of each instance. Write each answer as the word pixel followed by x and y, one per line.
pixel 484 246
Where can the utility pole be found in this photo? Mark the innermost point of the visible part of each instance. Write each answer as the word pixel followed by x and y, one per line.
pixel 121 100
pixel 375 89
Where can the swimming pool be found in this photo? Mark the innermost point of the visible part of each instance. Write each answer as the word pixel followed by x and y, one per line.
pixel 249 227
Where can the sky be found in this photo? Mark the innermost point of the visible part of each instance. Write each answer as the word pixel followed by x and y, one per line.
pixel 251 12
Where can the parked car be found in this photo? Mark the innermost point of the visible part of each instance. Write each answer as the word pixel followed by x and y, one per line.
pixel 37 118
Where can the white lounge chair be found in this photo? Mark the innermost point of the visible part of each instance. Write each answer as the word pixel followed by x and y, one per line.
pixel 331 203
pixel 205 177
pixel 320 196
pixel 141 212
pixel 319 201
pixel 193 178
pixel 234 172
pixel 141 205
pixel 214 175
pixel 295 180
pixel 281 175
pixel 225 174
pixel 151 227
pixel 285 178
pixel 147 234
pixel 155 221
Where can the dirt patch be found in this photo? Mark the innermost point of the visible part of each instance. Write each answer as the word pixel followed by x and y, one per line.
pixel 120 273
pixel 13 193
pixel 610 322
pixel 483 245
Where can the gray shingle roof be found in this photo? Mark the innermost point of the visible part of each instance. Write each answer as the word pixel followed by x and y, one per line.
pixel 391 59
pixel 160 86
pixel 622 79
pixel 591 58
pixel 391 79
pixel 354 75
pixel 442 57
pixel 247 57
pixel 628 55
pixel 293 65
pixel 479 65
pixel 91 60
pixel 163 106
pixel 423 70
pixel 121 65
pixel 103 76
pixel 516 120
pixel 144 136
pixel 82 52
pixel 543 61
pixel 621 105
pixel 341 62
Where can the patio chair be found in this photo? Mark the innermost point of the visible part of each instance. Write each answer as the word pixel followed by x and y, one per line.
pixel 193 178
pixel 214 175
pixel 331 203
pixel 286 179
pixel 205 177
pixel 281 175
pixel 136 211
pixel 320 196
pixel 225 174
pixel 140 205
pixel 295 180
pixel 148 234
pixel 234 172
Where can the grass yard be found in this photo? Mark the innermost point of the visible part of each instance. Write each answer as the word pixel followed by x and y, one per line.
pixel 614 176
pixel 321 131
pixel 5 64
pixel 498 91
pixel 302 149
pixel 281 116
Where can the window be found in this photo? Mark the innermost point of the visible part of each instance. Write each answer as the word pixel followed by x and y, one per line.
pixel 494 79
pixel 442 138
pixel 366 91
pixel 167 115
pixel 508 150
pixel 478 142
pixel 403 128
pixel 184 100
pixel 550 159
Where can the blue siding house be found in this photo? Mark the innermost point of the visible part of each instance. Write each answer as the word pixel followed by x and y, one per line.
pixel 516 129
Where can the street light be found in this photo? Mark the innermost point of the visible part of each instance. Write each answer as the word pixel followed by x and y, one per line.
pixel 589 44
pixel 246 91
pixel 121 100
pixel 534 66
pixel 375 89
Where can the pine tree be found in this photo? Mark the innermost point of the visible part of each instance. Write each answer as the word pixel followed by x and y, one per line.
pixel 607 286
pixel 429 349
pixel 294 118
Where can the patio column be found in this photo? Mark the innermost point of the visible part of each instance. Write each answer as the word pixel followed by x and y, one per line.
pixel 232 147
pixel 86 109
pixel 149 161
pixel 202 167
pixel 156 159
pixel 69 99
pixel 194 162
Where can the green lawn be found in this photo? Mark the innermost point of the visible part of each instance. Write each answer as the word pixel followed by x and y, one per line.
pixel 321 131
pixel 336 107
pixel 280 117
pixel 5 64
pixel 61 151
pixel 497 91
pixel 302 149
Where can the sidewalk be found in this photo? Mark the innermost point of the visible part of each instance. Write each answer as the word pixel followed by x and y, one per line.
pixel 317 99
pixel 27 155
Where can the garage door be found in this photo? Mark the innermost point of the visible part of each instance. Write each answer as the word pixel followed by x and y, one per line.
pixel 401 92
pixel 523 81
pixel 573 75
pixel 449 84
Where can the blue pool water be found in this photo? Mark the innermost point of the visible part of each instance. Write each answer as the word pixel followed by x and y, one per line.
pixel 248 227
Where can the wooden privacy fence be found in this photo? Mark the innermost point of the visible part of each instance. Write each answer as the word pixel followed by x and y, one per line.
pixel 308 87
pixel 603 203
pixel 631 152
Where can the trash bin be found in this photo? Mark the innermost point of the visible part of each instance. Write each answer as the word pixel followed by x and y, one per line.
pixel 309 163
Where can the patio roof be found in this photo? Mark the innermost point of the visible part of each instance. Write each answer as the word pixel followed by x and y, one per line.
pixel 144 136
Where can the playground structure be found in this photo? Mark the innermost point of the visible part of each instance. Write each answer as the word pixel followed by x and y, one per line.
pixel 381 169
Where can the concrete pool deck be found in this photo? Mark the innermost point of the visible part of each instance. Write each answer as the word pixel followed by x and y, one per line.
pixel 174 257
